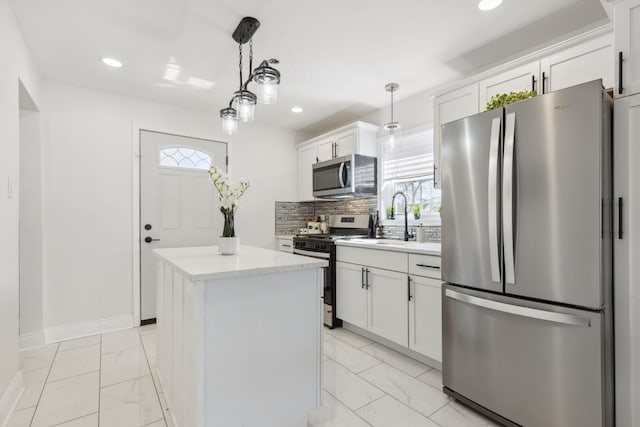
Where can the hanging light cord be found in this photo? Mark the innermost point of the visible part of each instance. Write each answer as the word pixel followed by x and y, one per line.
pixel 240 64
pixel 392 104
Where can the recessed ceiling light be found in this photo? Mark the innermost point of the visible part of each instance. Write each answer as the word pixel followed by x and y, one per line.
pixel 489 4
pixel 111 62
pixel 297 109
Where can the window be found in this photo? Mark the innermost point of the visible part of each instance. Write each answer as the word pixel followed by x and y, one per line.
pixel 407 166
pixel 183 157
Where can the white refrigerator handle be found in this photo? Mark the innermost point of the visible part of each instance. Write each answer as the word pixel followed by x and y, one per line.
pixel 493 200
pixel 508 228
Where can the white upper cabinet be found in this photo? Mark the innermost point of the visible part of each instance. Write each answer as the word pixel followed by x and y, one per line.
pixel 356 138
pixel 343 144
pixel 524 77
pixel 627 47
pixel 448 107
pixel 307 157
pixel 578 64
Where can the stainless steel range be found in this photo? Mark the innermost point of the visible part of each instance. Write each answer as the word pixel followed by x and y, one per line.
pixel 323 246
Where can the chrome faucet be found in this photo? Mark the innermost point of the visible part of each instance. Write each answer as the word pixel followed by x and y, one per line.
pixel 406 222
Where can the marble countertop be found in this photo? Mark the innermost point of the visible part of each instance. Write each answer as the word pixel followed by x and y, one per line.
pixel 427 248
pixel 205 263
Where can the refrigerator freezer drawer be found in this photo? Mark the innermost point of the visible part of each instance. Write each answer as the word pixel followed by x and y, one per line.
pixel 532 363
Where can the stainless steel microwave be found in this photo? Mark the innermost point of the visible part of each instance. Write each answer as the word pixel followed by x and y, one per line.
pixel 348 176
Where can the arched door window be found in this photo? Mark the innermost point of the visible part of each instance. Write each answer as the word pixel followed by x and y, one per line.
pixel 186 158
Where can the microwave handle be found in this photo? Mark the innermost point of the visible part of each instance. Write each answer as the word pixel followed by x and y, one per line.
pixel 340 172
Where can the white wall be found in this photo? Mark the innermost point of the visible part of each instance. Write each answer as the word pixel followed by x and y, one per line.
pixel 30 225
pixel 15 64
pixel 88 190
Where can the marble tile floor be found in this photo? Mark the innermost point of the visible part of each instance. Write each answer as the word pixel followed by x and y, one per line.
pixel 368 384
pixel 106 380
pixel 103 380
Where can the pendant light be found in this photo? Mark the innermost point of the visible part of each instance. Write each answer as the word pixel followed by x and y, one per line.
pixel 392 126
pixel 243 102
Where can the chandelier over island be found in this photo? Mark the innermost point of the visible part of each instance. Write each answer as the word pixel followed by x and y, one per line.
pixel 242 104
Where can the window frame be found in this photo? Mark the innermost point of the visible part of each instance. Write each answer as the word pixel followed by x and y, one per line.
pixel 426 218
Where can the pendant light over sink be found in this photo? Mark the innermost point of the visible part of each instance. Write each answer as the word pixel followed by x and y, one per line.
pixel 243 102
pixel 392 126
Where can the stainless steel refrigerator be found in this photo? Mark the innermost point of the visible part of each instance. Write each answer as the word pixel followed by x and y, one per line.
pixel 527 258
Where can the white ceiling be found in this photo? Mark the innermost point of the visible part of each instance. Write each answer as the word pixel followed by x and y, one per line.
pixel 335 55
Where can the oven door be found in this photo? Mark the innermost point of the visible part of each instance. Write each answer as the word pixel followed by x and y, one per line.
pixel 329 284
pixel 333 177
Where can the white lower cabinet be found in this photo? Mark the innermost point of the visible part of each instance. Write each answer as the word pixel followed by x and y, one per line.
pixel 373 299
pixel 351 294
pixel 425 316
pixel 387 304
pixel 393 295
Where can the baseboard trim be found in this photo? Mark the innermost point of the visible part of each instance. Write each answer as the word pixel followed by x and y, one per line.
pixel 400 349
pixel 32 340
pixel 79 330
pixel 10 398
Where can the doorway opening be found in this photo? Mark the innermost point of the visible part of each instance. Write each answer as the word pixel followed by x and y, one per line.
pixel 31 324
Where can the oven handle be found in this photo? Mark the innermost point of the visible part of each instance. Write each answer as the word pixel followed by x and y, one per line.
pixel 322 255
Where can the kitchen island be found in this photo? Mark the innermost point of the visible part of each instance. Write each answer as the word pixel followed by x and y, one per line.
pixel 239 336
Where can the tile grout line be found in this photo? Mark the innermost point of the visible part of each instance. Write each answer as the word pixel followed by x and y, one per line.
pixel 153 380
pixel 349 409
pixel 73 376
pixel 53 359
pixel 398 400
pixel 77 418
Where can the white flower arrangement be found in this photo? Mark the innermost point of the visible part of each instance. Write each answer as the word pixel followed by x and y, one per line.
pixel 228 194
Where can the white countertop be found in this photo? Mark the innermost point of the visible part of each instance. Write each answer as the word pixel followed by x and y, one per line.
pixel 427 248
pixel 205 263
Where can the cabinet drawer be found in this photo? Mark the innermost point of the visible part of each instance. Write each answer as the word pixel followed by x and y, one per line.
pixel 285 245
pixel 425 265
pixel 386 260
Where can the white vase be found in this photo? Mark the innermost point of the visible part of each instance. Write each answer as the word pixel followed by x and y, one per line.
pixel 229 245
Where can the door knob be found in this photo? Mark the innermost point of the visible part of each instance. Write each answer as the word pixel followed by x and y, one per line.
pixel 148 239
pixel 147 227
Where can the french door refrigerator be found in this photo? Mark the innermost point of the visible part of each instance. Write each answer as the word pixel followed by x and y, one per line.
pixel 527 258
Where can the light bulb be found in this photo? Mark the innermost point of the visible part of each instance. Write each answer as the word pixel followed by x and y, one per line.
pixel 229 121
pixel 244 102
pixel 268 92
pixel 229 126
pixel 245 111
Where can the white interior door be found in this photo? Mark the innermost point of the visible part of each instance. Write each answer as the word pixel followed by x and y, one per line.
pixel 178 203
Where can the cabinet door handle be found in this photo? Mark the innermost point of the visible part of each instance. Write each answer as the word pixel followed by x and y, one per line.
pixel 286 246
pixel 620 205
pixel 409 287
pixel 533 83
pixel 544 79
pixel 428 266
pixel 362 277
pixel 620 60
pixel 367 277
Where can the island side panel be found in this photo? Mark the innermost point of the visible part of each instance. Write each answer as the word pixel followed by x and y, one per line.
pixel 180 326
pixel 263 349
